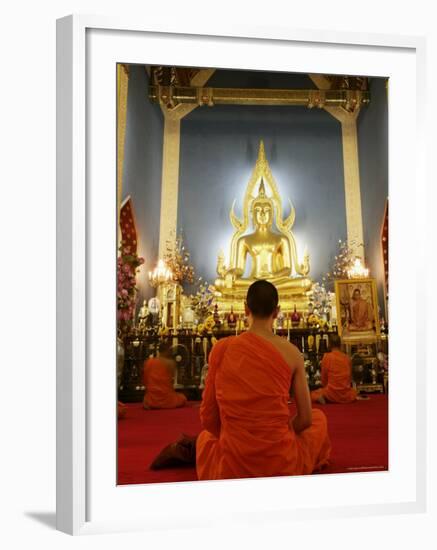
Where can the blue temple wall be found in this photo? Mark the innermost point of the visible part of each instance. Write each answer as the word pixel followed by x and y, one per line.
pixel 142 171
pixel 372 128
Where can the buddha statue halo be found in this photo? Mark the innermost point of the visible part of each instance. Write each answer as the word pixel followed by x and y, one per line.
pixel 271 246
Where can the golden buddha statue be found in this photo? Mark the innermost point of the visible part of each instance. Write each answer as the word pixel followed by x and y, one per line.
pixel 271 246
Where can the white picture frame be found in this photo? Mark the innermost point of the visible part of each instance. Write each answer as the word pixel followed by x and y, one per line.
pixel 87 498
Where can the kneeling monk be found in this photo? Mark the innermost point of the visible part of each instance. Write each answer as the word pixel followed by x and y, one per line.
pixel 247 427
pixel 158 380
pixel 336 376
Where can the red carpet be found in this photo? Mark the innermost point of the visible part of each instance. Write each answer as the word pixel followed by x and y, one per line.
pixel 358 431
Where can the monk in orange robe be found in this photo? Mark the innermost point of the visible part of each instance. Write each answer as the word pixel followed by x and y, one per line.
pixel 158 379
pixel 336 376
pixel 247 427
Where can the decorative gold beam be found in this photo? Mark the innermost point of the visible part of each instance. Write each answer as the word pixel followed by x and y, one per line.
pixel 171 96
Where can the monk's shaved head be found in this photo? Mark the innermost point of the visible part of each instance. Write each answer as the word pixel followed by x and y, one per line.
pixel 165 347
pixel 334 341
pixel 262 299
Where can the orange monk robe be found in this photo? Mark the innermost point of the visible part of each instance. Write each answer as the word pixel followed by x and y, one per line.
pixel 158 381
pixel 245 416
pixel 336 379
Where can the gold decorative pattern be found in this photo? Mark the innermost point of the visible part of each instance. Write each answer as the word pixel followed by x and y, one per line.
pixel 201 77
pixel 174 96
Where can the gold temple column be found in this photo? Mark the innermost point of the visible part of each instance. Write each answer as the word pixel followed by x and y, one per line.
pixel 170 164
pixel 354 219
pixel 170 181
pixel 351 170
pixel 122 90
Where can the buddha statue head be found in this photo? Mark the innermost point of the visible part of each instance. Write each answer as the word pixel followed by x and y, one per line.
pixel 262 209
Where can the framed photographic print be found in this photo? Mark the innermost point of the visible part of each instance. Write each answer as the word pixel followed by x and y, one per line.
pixel 160 128
pixel 357 308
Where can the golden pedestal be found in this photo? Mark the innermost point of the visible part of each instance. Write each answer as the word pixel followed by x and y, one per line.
pixel 288 300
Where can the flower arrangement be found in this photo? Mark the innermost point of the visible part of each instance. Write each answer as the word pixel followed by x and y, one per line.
pixel 343 262
pixel 209 323
pixel 314 320
pixel 321 298
pixel 201 302
pixel 177 259
pixel 323 323
pixel 128 263
pixel 206 326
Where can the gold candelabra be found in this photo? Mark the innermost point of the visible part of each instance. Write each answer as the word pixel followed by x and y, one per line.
pixel 160 275
pixel 357 270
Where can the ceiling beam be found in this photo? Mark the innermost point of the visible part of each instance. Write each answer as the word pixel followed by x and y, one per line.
pixel 349 99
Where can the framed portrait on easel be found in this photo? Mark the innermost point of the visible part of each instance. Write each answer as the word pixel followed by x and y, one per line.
pixel 357 307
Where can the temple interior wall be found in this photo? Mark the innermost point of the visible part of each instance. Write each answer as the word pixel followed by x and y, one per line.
pixel 142 171
pixel 218 150
pixel 372 126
